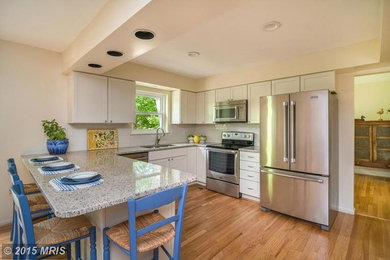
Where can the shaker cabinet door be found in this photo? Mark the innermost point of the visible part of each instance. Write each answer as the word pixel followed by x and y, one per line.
pixel 121 101
pixel 89 98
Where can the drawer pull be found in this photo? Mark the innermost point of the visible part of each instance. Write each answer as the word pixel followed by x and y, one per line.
pixel 251 176
pixel 251 157
pixel 250 188
pixel 250 166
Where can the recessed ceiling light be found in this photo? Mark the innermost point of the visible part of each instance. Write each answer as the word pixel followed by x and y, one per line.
pixel 144 34
pixel 115 53
pixel 94 65
pixel 271 26
pixel 193 54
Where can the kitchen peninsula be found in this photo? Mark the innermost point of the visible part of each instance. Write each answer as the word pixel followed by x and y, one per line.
pixel 105 204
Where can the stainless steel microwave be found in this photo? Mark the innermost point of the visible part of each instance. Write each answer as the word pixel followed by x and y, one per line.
pixel 231 111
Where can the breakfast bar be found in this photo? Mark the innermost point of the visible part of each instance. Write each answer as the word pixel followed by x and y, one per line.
pixel 105 204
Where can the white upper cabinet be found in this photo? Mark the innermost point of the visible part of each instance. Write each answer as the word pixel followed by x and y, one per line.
pixel 285 86
pixel 233 93
pixel 255 91
pixel 88 98
pixel 121 105
pixel 323 80
pixel 239 92
pixel 209 105
pixel 183 107
pixel 222 94
pixel 200 108
pixel 99 99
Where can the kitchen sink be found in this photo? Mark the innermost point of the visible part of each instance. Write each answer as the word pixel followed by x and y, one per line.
pixel 157 146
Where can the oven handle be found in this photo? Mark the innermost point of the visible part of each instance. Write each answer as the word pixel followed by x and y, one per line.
pixel 211 149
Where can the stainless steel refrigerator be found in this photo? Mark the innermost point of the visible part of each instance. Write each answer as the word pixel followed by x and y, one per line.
pixel 299 155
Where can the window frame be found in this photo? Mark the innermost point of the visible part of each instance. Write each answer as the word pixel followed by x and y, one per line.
pixel 163 108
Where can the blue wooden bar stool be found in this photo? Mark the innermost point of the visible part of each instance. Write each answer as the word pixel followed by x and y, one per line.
pixel 151 231
pixel 29 188
pixel 38 205
pixel 51 232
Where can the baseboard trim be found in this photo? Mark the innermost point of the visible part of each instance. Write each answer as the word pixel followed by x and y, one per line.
pixel 347 210
pixel 248 197
pixel 198 182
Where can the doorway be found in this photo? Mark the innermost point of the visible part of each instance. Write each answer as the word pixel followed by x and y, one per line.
pixel 372 145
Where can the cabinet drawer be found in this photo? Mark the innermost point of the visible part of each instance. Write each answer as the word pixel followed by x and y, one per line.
pixel 155 155
pixel 252 157
pixel 250 188
pixel 250 166
pixel 250 176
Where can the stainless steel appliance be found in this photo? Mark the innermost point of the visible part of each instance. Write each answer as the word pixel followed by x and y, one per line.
pixel 137 156
pixel 231 111
pixel 299 155
pixel 223 163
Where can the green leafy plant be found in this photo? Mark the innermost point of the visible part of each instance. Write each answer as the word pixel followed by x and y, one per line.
pixel 190 136
pixel 53 130
pixel 202 136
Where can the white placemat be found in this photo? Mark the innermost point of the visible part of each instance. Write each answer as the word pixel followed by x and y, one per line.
pixel 58 186
pixel 43 163
pixel 74 169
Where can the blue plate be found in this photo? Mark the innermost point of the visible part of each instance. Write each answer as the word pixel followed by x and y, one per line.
pixel 68 181
pixel 45 159
pixel 58 168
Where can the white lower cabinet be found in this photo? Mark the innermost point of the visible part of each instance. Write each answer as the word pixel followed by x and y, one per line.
pixel 250 174
pixel 171 158
pixel 201 164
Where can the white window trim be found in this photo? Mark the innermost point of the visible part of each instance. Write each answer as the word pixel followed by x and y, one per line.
pixel 164 120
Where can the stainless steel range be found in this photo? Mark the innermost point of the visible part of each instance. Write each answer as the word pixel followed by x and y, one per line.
pixel 223 163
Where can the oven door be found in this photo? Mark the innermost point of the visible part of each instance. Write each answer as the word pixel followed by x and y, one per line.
pixel 223 164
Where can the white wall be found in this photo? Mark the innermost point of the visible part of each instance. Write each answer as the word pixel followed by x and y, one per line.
pixel 33 88
pixel 372 92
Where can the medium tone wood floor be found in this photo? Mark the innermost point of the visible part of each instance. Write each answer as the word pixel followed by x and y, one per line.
pixel 372 196
pixel 221 227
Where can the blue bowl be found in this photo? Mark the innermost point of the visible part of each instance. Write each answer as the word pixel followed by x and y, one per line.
pixel 57 146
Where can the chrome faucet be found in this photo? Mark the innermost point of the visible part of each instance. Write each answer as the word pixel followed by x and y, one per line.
pixel 157 142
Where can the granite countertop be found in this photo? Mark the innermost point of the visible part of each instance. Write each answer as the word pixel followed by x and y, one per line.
pixel 123 177
pixel 253 149
pixel 140 149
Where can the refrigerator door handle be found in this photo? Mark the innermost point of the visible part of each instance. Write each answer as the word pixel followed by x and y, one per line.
pixel 294 177
pixel 293 129
pixel 285 132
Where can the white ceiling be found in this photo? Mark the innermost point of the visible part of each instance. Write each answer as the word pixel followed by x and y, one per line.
pixel 48 24
pixel 235 38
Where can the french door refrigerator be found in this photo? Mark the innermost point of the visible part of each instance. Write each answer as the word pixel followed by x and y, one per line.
pixel 299 155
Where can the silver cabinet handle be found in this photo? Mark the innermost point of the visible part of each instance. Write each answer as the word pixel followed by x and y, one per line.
pixel 251 157
pixel 251 176
pixel 293 129
pixel 250 188
pixel 294 177
pixel 111 121
pixel 285 132
pixel 250 166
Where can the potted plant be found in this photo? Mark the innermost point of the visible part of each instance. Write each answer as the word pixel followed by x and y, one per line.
pixel 190 139
pixel 202 139
pixel 56 142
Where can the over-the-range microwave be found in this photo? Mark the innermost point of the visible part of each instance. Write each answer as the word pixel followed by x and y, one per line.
pixel 231 111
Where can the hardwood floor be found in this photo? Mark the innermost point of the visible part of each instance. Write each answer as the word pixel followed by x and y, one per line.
pixel 372 196
pixel 221 227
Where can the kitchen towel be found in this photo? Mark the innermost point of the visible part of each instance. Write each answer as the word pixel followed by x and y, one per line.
pixel 74 169
pixel 58 186
pixel 43 163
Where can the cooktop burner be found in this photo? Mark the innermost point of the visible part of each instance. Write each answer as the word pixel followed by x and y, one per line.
pixel 234 140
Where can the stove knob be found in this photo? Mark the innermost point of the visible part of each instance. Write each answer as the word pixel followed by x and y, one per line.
pixel 228 135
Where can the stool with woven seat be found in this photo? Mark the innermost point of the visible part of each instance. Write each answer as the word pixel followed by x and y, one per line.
pixel 54 232
pixel 151 231
pixel 29 188
pixel 39 207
